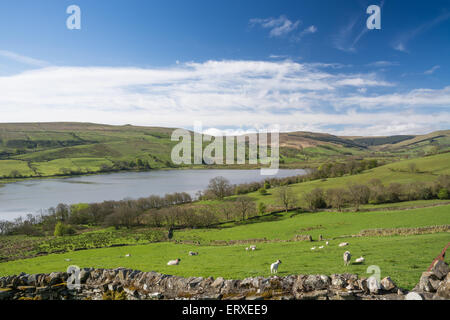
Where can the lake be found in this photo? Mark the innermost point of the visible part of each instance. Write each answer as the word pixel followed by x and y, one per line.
pixel 31 196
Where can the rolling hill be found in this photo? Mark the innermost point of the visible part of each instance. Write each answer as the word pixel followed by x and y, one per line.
pixel 49 149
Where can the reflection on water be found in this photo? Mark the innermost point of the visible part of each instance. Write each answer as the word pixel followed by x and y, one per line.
pixel 24 197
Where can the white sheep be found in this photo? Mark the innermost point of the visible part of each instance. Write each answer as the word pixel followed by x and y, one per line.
pixel 128 255
pixel 313 248
pixel 347 257
pixel 360 260
pixel 174 262
pixel 326 243
pixel 321 247
pixel 253 248
pixel 343 244
pixel 274 266
pixel 247 248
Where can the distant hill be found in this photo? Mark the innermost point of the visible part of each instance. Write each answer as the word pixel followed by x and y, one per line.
pixel 48 149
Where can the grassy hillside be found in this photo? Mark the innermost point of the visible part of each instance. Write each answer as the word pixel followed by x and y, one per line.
pixel 427 170
pixel 49 149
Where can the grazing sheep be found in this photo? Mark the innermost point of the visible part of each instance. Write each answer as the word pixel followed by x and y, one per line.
pixel 192 253
pixel 347 257
pixel 67 260
pixel 128 255
pixel 274 266
pixel 360 260
pixel 174 262
pixel 253 248
pixel 247 248
pixel 321 247
pixel 343 244
pixel 326 243
pixel 313 248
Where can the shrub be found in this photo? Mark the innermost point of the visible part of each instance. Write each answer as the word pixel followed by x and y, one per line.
pixel 315 199
pixel 443 194
pixel 262 191
pixel 62 229
pixel 261 208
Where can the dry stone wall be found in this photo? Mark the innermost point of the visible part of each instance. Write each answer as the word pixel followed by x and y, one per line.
pixel 121 283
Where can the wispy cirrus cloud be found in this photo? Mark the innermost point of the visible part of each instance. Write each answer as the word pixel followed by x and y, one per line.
pixel 348 36
pixel 278 27
pixel 383 64
pixel 233 94
pixel 23 59
pixel 400 44
pixel 432 70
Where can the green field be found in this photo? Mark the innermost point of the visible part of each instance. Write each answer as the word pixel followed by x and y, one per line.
pixel 403 258
pixel 402 251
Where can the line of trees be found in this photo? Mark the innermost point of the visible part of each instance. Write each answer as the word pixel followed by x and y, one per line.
pixel 220 187
pixel 375 192
pixel 124 213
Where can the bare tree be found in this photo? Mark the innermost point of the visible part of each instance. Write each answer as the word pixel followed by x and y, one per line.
pixel 219 187
pixel 359 194
pixel 315 199
pixel 286 197
pixel 336 198
pixel 245 206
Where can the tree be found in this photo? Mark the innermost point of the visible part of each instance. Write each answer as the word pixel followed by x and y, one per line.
pixel 245 206
pixel 261 208
pixel 262 191
pixel 412 167
pixel 225 209
pixel 62 229
pixel 359 194
pixel 336 198
pixel 286 197
pixel 219 187
pixel 315 199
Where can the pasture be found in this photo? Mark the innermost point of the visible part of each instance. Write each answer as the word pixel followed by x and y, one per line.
pixel 403 257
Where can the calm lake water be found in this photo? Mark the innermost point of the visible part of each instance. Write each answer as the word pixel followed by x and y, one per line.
pixel 31 196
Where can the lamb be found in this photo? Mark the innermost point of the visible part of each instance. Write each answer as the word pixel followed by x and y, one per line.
pixel 321 247
pixel 326 243
pixel 274 266
pixel 247 248
pixel 347 257
pixel 343 244
pixel 253 248
pixel 174 262
pixel 313 248
pixel 128 255
pixel 360 260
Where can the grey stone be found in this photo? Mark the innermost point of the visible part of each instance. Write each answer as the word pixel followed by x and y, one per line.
pixel 387 284
pixel 440 269
pixel 413 296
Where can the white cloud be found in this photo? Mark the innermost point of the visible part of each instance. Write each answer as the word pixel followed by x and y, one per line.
pixel 233 95
pixel 383 64
pixel 432 70
pixel 278 26
pixel 23 59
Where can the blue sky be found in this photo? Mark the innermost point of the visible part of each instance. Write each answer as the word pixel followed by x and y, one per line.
pixel 233 65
